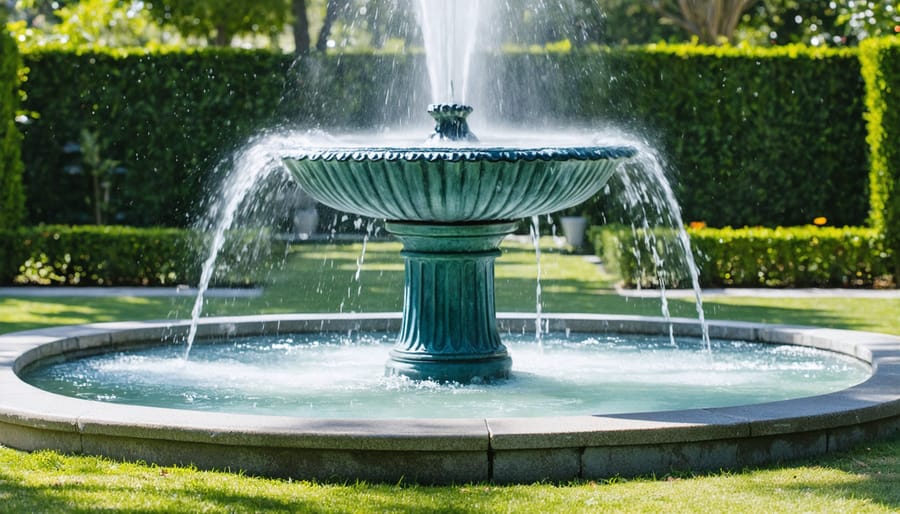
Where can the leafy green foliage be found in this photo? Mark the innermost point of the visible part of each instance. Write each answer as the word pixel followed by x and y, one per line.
pixel 751 136
pixel 870 18
pixel 881 70
pixel 806 256
pixel 165 117
pixel 219 20
pixel 85 24
pixel 743 130
pixel 59 255
pixel 124 256
pixel 12 194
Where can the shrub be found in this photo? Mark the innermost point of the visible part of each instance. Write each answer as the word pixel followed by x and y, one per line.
pixel 754 136
pixel 881 70
pixel 168 118
pixel 119 256
pixel 12 195
pixel 806 256
pixel 751 136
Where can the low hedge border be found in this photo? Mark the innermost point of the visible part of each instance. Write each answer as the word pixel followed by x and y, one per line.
pixel 806 256
pixel 119 256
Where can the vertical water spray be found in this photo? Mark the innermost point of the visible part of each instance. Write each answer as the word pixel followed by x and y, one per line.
pixel 538 308
pixel 449 30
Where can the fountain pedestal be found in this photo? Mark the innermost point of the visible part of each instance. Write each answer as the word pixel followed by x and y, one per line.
pixel 449 330
pixel 451 203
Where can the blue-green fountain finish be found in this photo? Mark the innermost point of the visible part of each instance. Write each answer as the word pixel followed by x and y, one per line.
pixel 451 206
pixel 450 122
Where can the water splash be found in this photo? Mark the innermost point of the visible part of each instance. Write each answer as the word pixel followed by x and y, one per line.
pixel 654 215
pixel 258 160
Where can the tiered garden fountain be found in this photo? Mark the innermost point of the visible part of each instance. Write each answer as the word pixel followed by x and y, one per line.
pixel 451 204
pixel 450 200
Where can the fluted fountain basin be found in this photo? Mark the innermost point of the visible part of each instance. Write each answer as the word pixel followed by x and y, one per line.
pixel 454 184
pixel 500 449
pixel 451 206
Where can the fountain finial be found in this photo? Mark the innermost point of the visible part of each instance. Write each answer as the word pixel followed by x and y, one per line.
pixel 450 122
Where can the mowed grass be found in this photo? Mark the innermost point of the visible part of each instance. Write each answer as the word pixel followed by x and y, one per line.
pixel 324 278
pixel 343 278
pixel 858 482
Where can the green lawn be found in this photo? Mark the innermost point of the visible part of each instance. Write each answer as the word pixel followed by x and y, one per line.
pixel 862 481
pixel 322 278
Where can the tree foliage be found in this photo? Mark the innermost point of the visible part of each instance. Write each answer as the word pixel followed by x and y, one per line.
pixel 218 21
pixel 712 21
pixel 85 23
pixel 819 22
pixel 865 19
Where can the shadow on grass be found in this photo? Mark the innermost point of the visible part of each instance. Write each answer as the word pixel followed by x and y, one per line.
pixel 70 494
pixel 872 472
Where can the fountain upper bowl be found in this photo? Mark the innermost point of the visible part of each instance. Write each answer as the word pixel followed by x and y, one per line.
pixel 454 184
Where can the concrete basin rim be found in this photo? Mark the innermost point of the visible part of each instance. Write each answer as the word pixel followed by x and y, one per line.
pixel 20 403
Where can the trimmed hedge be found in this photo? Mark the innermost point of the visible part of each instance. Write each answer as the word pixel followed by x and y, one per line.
pixel 165 117
pixel 806 256
pixel 120 256
pixel 881 70
pixel 750 136
pixel 755 136
pixel 170 117
pixel 12 194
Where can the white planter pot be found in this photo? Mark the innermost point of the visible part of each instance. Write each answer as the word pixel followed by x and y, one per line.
pixel 573 228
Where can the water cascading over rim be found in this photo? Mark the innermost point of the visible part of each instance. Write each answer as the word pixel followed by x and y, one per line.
pixel 451 205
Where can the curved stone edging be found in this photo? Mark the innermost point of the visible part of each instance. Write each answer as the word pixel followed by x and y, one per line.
pixel 503 450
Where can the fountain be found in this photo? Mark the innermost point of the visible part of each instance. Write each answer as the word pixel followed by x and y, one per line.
pixel 450 199
pixel 451 206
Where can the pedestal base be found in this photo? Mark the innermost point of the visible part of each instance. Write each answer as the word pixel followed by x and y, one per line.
pixel 449 330
pixel 464 371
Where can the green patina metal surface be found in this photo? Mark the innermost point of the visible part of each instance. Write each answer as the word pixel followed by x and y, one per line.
pixel 451 206
pixel 450 122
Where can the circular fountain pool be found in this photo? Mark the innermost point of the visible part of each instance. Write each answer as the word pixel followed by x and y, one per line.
pixel 443 449
pixel 337 375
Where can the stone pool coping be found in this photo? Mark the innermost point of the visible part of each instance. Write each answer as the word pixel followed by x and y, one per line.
pixel 502 450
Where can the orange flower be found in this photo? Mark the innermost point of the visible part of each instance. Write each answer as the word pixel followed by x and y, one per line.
pixel 696 225
pixel 819 221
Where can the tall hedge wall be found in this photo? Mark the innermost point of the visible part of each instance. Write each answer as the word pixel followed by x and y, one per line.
pixel 165 118
pixel 168 118
pixel 881 69
pixel 12 196
pixel 752 137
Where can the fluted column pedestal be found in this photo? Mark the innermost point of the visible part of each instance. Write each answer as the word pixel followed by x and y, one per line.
pixel 449 330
